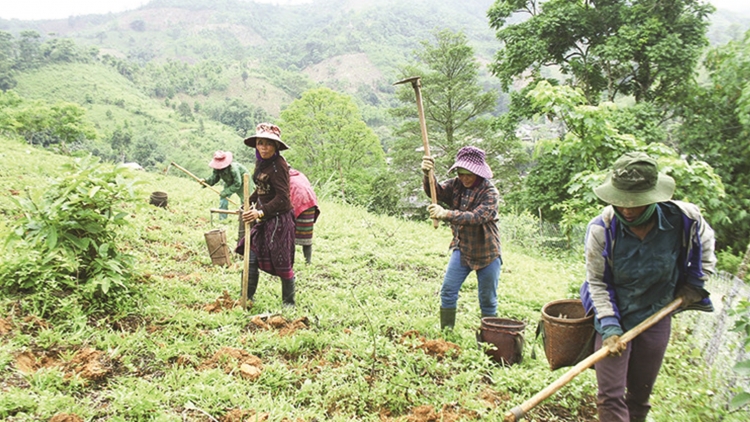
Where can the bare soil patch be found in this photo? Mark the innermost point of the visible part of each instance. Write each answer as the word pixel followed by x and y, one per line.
pixel 438 348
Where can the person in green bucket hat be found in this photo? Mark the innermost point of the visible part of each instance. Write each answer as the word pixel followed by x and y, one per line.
pixel 643 251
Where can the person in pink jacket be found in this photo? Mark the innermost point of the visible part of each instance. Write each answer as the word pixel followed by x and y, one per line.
pixel 306 211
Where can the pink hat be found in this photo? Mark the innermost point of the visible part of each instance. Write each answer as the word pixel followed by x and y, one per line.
pixel 222 159
pixel 472 159
pixel 267 131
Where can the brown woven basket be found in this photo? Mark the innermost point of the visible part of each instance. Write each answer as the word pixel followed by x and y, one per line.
pixel 216 240
pixel 507 337
pixel 567 332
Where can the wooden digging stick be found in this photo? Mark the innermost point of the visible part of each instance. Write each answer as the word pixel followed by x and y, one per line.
pixel 518 412
pixel 416 84
pixel 199 180
pixel 246 255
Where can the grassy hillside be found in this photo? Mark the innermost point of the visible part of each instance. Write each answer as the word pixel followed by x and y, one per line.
pixel 363 342
pixel 112 101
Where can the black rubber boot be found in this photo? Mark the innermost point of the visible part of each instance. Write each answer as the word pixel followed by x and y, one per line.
pixel 447 318
pixel 307 250
pixel 287 291
pixel 252 276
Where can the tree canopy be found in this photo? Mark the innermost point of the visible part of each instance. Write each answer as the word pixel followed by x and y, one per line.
pixel 329 140
pixel 716 128
pixel 647 49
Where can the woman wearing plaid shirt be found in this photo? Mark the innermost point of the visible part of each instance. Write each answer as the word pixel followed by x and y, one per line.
pixel 472 201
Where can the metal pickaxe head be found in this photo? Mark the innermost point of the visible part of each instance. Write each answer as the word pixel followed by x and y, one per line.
pixel 414 80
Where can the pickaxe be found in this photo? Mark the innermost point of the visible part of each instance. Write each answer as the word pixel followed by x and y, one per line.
pixel 415 83
pixel 199 180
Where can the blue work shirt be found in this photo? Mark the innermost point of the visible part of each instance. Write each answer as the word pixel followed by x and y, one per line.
pixel 645 272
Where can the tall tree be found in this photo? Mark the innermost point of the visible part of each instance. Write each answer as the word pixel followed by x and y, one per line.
pixel 458 111
pixel 716 129
pixel 644 48
pixel 577 161
pixel 7 61
pixel 329 141
pixel 29 55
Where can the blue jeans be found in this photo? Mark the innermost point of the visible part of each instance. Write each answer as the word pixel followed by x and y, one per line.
pixel 223 205
pixel 456 274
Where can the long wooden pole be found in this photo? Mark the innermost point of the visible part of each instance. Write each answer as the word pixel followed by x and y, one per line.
pixel 423 128
pixel 246 255
pixel 518 412
pixel 416 84
pixel 200 180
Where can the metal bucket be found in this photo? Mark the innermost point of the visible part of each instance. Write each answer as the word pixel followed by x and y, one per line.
pixel 159 199
pixel 567 333
pixel 507 337
pixel 218 250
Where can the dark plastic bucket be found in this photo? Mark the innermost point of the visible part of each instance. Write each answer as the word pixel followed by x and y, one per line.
pixel 507 337
pixel 567 333
pixel 158 199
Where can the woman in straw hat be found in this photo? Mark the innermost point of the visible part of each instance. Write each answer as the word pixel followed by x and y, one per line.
pixel 230 172
pixel 642 252
pixel 472 202
pixel 272 235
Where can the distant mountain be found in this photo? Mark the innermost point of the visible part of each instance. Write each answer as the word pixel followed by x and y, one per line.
pixel 293 37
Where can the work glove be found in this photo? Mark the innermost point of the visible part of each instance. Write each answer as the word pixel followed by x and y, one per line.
pixel 437 212
pixel 203 183
pixel 615 346
pixel 428 164
pixel 689 294
pixel 611 339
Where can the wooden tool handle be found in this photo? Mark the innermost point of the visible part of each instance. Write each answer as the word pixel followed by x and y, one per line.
pixel 425 144
pixel 518 412
pixel 199 180
pixel 246 255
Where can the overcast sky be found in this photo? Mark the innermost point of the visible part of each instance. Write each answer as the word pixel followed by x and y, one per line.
pixel 62 9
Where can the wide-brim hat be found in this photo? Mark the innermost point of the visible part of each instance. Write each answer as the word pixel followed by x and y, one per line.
pixel 222 159
pixel 472 159
pixel 635 181
pixel 267 131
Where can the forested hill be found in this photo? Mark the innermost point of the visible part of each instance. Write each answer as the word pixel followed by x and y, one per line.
pixel 291 37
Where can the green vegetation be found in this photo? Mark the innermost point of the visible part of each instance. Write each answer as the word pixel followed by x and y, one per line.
pixel 374 281
pixel 92 274
pixel 61 253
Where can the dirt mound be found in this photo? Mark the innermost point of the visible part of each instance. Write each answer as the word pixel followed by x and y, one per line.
pixel 232 360
pixel 279 323
pixel 66 417
pixel 223 302
pixel 438 348
pixel 90 364
pixel 427 413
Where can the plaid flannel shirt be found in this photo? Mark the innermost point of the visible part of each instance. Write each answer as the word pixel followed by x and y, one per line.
pixel 472 214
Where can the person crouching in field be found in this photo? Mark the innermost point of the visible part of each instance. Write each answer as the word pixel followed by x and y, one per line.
pixel 642 252
pixel 306 211
pixel 272 235
pixel 230 172
pixel 472 201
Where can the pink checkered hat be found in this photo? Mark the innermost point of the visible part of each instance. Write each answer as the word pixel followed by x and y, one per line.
pixel 472 159
pixel 267 131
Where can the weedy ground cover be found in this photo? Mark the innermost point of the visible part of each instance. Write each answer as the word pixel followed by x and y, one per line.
pixel 363 342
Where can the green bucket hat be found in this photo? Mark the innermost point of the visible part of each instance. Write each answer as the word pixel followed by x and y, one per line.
pixel 635 182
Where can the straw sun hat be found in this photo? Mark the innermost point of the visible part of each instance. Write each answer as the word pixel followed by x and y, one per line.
pixel 267 131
